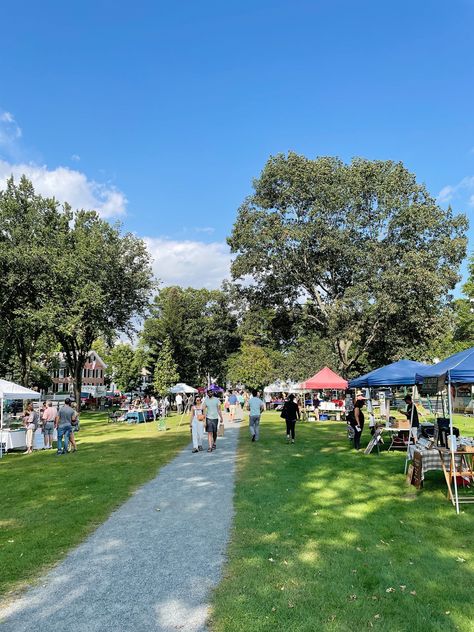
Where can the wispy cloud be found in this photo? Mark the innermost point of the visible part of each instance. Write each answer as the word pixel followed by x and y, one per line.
pixel 75 158
pixel 68 185
pixel 204 229
pixel 189 263
pixel 10 132
pixel 451 191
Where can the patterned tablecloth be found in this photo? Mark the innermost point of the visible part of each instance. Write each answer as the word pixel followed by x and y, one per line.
pixel 431 458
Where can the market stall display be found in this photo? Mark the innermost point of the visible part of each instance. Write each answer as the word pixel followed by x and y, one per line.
pixel 12 391
pixel 443 376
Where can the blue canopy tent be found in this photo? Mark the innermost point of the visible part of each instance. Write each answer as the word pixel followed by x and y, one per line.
pixel 401 373
pixel 457 369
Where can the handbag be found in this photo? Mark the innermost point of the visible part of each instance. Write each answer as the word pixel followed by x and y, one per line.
pixel 200 417
pixel 220 430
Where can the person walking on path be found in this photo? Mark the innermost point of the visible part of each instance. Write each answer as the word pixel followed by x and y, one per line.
pixel 290 413
pixel 213 412
pixel 357 421
pixel 256 408
pixel 197 424
pixel 64 421
pixel 232 405
pixel 49 416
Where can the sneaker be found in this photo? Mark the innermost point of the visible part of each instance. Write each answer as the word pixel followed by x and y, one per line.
pixel 253 437
pixel 292 441
pixel 209 449
pixel 194 450
pixel 199 448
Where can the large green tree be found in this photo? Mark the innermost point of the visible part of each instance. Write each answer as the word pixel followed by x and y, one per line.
pixel 363 245
pixel 201 329
pixel 251 366
pixel 125 365
pixel 166 370
pixel 104 286
pixel 31 231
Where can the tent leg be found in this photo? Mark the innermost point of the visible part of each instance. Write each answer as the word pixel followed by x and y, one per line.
pixel 1 427
pixel 409 435
pixel 453 459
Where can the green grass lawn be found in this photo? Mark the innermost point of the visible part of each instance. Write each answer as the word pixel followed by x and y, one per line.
pixel 328 539
pixel 50 503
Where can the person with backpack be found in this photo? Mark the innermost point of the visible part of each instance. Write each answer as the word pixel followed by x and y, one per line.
pixel 290 413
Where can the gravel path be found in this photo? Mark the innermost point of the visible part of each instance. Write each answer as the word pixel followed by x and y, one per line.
pixel 152 565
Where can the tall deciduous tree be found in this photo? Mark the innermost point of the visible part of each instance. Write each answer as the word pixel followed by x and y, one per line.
pixel 125 365
pixel 104 284
pixel 252 366
pixel 363 244
pixel 166 370
pixel 200 327
pixel 31 229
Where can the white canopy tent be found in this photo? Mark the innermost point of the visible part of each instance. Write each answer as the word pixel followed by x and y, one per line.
pixel 182 388
pixel 10 390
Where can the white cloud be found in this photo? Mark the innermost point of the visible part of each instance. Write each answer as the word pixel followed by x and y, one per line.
pixel 190 263
pixel 204 229
pixel 68 185
pixel 10 131
pixel 450 191
pixel 75 157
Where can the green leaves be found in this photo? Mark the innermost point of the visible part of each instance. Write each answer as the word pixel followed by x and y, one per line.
pixel 166 370
pixel 363 245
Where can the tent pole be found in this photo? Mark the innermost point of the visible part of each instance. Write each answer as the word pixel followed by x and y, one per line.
pixel 409 432
pixel 453 460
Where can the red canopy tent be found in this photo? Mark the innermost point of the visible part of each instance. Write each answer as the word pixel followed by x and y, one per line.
pixel 324 379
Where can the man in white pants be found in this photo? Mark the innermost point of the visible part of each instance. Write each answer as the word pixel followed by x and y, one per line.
pixel 179 404
pixel 197 425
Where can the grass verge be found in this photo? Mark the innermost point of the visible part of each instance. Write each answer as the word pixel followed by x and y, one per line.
pixel 49 504
pixel 328 539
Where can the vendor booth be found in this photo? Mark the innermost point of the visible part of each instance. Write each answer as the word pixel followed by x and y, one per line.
pixel 326 379
pixel 9 438
pixel 457 456
pixel 401 373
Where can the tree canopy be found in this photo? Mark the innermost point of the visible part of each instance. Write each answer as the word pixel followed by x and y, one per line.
pixel 363 245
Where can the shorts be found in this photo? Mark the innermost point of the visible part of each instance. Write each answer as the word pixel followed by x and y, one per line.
pixel 232 409
pixel 211 425
pixel 48 428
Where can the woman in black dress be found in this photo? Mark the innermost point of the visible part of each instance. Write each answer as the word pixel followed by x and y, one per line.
pixel 290 414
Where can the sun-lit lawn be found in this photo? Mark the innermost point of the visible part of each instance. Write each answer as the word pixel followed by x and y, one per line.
pixel 328 539
pixel 48 504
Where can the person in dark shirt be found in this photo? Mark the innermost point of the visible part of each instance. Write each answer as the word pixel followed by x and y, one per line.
pixel 415 422
pixel 357 421
pixel 290 414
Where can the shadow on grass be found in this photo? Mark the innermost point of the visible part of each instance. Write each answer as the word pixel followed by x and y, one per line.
pixel 50 503
pixel 326 538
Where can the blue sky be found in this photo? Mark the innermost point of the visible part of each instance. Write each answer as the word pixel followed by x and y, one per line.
pixel 161 113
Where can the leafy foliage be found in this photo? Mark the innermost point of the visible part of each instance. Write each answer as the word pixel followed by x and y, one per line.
pixel 166 369
pixel 200 327
pixel 125 365
pixel 364 245
pixel 252 367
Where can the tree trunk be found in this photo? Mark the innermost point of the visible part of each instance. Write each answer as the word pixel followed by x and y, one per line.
pixel 78 384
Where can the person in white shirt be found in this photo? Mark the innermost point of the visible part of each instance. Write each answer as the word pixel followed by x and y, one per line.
pixel 197 424
pixel 179 403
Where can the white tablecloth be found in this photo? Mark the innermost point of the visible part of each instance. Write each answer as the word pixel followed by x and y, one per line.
pixel 14 439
